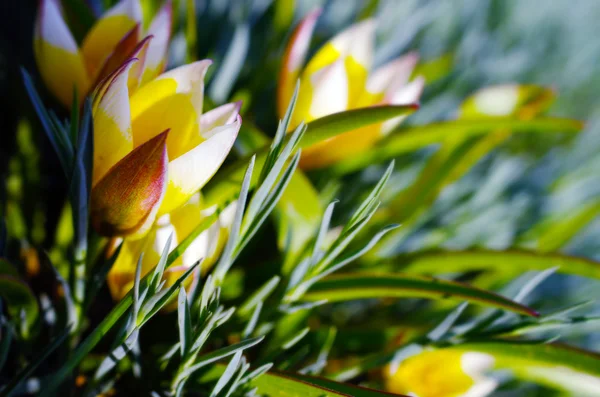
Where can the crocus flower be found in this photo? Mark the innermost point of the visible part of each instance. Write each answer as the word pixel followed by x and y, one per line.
pixel 65 66
pixel 442 373
pixel 339 78
pixel 177 225
pixel 153 147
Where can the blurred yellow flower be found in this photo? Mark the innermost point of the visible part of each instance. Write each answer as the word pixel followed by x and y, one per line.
pixel 442 373
pixel 115 37
pixel 339 78
pixel 153 147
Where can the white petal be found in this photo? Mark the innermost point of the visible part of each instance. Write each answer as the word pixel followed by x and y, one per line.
pixel 131 8
pixel 187 76
pixel 330 90
pixel 357 41
pixel 474 363
pixel 161 30
pixel 499 100
pixel 224 114
pixel 393 75
pixel 189 172
pixel 410 93
pixel 52 28
pixel 112 122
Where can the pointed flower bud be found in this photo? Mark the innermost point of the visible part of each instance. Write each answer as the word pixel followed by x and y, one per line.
pixel 125 201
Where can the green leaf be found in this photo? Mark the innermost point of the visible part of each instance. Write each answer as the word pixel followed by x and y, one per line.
pixel 224 186
pixel 217 355
pixel 555 365
pixel 561 230
pixel 286 384
pixel 113 317
pixel 184 321
pixel 409 139
pixel 510 261
pixel 353 286
pixel 298 214
pixel 59 139
pixel 19 299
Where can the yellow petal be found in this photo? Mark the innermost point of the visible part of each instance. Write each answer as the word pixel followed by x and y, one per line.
pixel 126 200
pixel 112 123
pixel 173 100
pixel 185 219
pixel 340 147
pixel 160 29
pixel 58 58
pixel 436 373
pixel 293 59
pixel 321 94
pixel 190 172
pixel 355 47
pixel 121 276
pixel 108 31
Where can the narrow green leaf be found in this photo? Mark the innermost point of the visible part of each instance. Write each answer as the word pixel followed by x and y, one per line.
pixel 223 187
pixel 562 230
pixel 219 354
pixel 409 139
pixel 287 384
pixel 184 322
pixel 381 285
pixel 510 261
pixel 259 296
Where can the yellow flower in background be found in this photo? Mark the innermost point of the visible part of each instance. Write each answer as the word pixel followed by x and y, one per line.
pixel 129 190
pixel 115 37
pixel 442 373
pixel 339 78
pixel 178 224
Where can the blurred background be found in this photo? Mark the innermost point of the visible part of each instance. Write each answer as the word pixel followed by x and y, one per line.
pixel 476 43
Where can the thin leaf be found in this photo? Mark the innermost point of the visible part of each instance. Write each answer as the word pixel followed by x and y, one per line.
pixel 409 139
pixel 185 322
pixel 509 261
pixel 218 355
pixel 381 285
pixel 287 384
pixel 259 296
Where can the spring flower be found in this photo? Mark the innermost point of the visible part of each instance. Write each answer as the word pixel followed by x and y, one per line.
pixel 178 224
pixel 115 37
pixel 339 78
pixel 442 373
pixel 153 147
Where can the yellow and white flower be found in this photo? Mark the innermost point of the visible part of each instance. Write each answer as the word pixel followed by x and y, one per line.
pixel 339 78
pixel 442 373
pixel 153 147
pixel 116 36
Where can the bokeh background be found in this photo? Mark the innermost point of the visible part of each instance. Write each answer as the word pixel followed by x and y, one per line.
pixel 547 42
